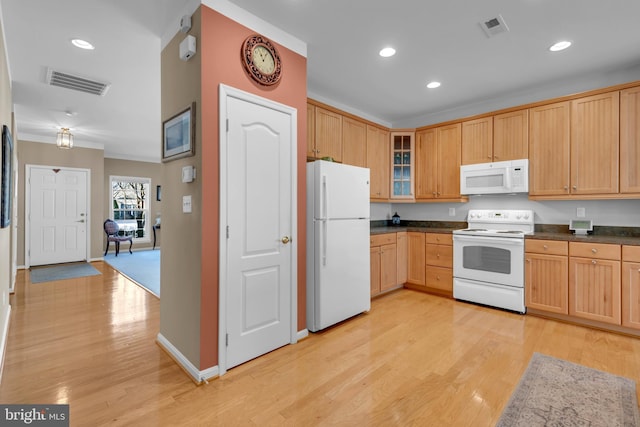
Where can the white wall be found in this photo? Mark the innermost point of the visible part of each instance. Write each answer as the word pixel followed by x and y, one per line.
pixel 602 212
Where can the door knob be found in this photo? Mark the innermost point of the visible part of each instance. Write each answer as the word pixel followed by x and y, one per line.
pixel 82 220
pixel 286 240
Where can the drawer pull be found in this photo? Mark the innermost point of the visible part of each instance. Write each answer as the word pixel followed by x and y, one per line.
pixel 594 262
pixel 545 247
pixel 594 250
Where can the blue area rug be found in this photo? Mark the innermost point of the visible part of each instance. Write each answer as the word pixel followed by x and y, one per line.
pixel 143 267
pixel 61 272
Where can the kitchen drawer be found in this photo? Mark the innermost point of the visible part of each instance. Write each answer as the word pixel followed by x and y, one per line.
pixel 439 255
pixel 549 247
pixel 631 253
pixel 439 278
pixel 594 250
pixel 439 238
pixel 383 239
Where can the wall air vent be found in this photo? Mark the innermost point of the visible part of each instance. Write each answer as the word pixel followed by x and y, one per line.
pixel 75 82
pixel 494 26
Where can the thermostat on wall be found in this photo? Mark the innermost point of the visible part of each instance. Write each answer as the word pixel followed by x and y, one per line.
pixel 581 226
pixel 188 173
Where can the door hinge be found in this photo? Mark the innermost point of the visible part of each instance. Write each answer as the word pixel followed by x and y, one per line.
pixel 226 340
pixel 227 231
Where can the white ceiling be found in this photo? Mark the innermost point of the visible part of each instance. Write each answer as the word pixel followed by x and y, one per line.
pixel 434 41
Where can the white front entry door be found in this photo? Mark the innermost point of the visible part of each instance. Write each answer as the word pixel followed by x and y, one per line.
pixel 258 206
pixel 57 215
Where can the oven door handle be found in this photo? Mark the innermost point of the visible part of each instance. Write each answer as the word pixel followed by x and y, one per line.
pixel 491 240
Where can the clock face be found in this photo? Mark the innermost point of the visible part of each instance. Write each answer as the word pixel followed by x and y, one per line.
pixel 261 60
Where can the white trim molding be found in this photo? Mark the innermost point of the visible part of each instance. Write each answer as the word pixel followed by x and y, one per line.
pixel 4 337
pixel 197 375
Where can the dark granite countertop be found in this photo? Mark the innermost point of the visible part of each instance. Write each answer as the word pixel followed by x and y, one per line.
pixel 600 234
pixel 381 227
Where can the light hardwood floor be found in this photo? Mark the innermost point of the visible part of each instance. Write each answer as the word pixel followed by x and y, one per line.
pixel 414 359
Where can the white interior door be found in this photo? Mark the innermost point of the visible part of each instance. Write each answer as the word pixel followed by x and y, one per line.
pixel 57 215
pixel 258 207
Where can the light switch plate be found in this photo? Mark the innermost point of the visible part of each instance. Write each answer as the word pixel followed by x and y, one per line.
pixel 186 204
pixel 580 212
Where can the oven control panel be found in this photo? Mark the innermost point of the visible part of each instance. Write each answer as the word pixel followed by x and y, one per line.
pixel 500 216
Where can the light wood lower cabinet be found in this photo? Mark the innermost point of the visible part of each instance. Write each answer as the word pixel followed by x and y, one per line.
pixel 594 282
pixel 547 275
pixel 415 258
pixel 402 253
pixel 631 286
pixel 384 267
pixel 430 262
pixel 439 262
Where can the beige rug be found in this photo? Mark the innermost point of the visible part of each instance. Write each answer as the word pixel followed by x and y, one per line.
pixel 554 392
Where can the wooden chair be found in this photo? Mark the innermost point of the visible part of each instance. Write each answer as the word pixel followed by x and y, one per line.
pixel 111 228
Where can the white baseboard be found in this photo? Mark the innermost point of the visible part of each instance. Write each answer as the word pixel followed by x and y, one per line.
pixel 197 375
pixel 3 337
pixel 302 334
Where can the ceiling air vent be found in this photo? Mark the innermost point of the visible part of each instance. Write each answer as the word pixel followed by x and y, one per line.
pixel 494 26
pixel 70 81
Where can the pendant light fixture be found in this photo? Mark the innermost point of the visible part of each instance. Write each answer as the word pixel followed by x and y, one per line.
pixel 64 139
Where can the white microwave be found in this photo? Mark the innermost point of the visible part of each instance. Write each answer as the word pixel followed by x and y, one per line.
pixel 511 176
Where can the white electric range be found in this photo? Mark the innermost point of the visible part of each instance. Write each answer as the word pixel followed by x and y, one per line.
pixel 488 258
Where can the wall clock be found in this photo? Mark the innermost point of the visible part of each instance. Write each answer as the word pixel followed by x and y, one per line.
pixel 261 60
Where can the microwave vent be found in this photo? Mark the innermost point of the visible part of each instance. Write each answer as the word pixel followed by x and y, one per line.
pixel 494 26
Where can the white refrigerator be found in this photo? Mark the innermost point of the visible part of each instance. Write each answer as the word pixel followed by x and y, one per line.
pixel 338 264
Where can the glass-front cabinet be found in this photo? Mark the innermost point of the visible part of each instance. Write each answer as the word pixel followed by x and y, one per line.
pixel 402 165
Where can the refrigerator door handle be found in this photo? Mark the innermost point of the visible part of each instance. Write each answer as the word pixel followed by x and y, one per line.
pixel 324 243
pixel 324 198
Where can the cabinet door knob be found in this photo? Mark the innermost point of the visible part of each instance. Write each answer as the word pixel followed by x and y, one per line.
pixel 575 187
pixel 593 261
pixel 489 157
pixel 566 187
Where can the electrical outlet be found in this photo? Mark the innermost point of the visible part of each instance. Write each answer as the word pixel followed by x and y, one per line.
pixel 580 212
pixel 452 211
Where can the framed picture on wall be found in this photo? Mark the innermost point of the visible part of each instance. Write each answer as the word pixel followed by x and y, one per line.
pixel 5 198
pixel 179 135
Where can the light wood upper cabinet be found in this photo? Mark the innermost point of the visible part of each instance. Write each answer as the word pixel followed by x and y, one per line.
pixel 511 136
pixel 402 165
pixel 328 134
pixel 477 141
pixel 311 131
pixel 438 154
pixel 549 141
pixel 378 162
pixel 354 142
pixel 449 156
pixel 426 164
pixel 595 144
pixel 496 138
pixel 630 140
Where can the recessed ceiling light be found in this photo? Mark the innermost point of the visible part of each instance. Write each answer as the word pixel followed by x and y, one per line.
pixel 82 44
pixel 433 85
pixel 560 46
pixel 387 52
